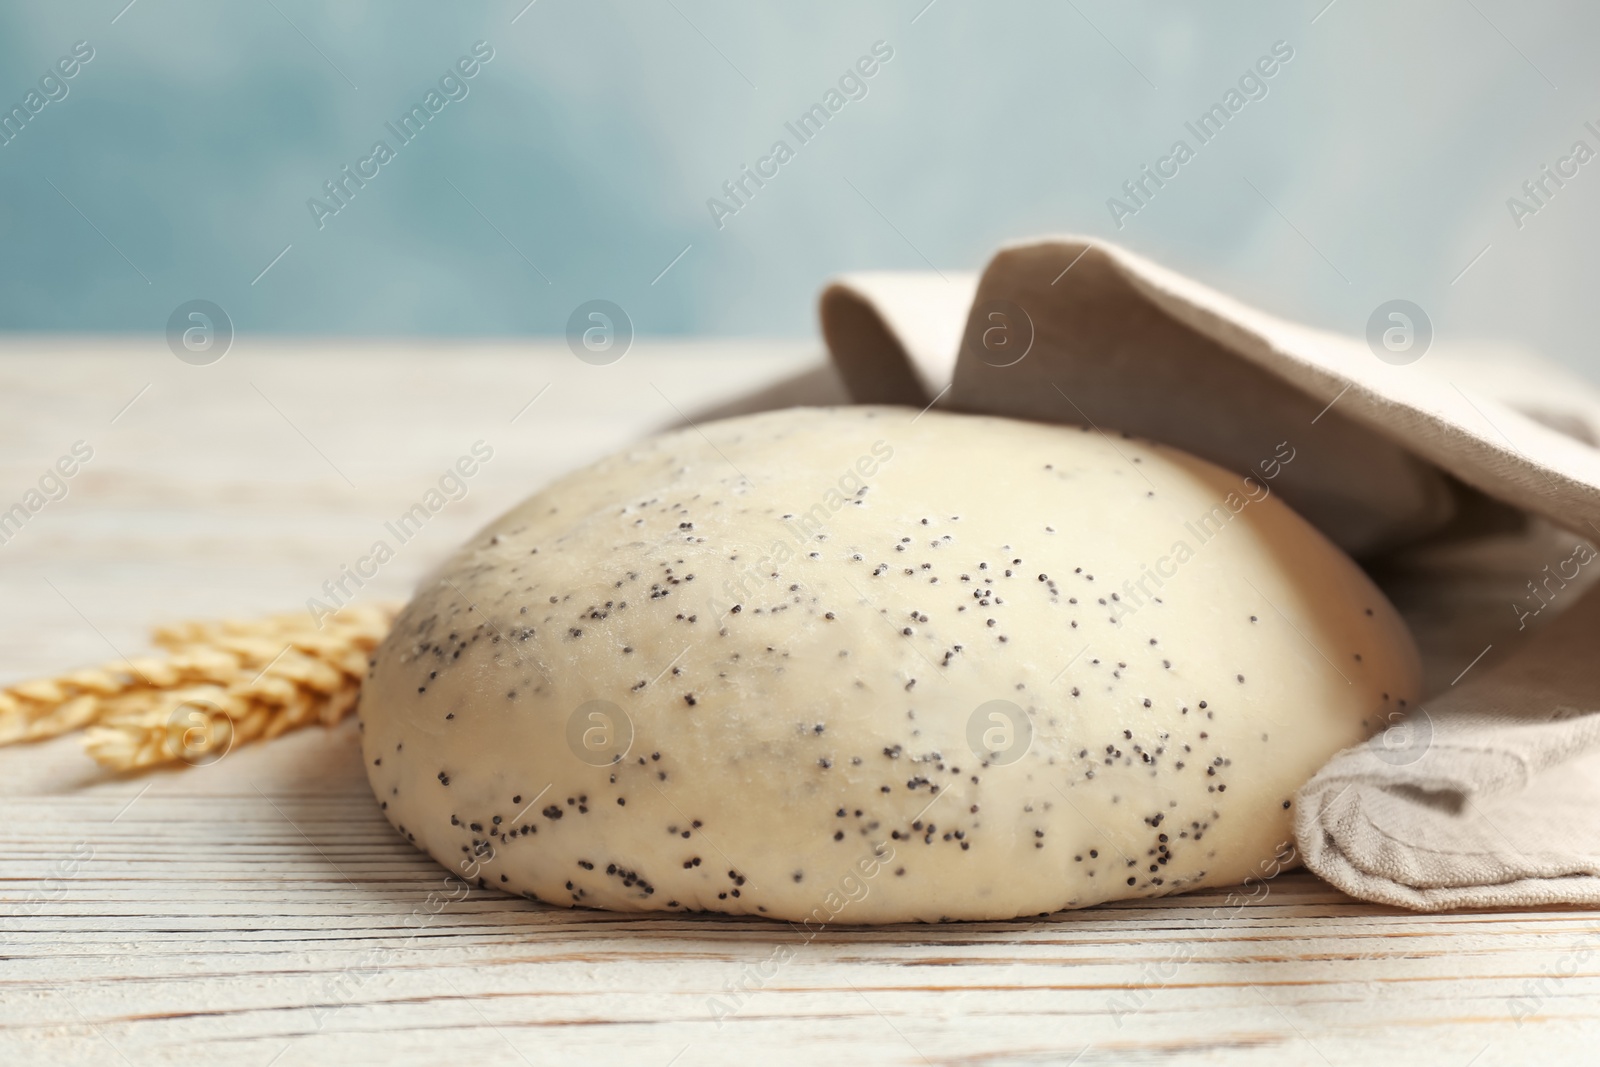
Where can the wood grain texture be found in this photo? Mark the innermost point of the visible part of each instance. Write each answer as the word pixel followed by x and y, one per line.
pixel 260 910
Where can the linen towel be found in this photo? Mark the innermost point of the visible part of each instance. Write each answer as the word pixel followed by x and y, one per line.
pixel 1488 795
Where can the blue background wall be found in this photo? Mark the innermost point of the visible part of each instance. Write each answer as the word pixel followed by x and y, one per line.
pixel 1381 159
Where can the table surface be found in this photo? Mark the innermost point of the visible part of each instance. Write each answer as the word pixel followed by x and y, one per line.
pixel 261 910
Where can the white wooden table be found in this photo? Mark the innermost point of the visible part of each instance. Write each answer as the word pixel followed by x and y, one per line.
pixel 260 910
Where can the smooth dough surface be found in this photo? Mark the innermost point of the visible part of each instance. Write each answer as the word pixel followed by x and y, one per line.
pixel 864 665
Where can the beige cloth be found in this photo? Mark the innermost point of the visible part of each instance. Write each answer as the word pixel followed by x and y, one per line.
pixel 1489 795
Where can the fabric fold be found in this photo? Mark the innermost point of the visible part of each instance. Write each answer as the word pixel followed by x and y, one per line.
pixel 894 335
pixel 1485 797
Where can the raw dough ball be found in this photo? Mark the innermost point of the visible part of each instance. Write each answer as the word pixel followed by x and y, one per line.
pixel 866 665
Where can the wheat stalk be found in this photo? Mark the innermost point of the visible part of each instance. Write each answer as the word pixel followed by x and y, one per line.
pixel 219 685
